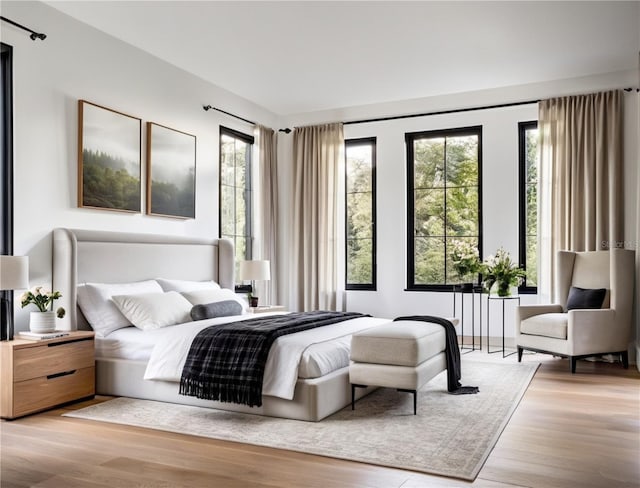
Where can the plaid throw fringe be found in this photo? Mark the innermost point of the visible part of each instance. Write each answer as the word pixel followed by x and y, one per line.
pixel 226 362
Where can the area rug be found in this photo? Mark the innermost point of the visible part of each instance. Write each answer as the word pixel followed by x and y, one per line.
pixel 452 435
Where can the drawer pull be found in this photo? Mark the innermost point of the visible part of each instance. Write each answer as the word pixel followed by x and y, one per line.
pixel 54 344
pixel 58 375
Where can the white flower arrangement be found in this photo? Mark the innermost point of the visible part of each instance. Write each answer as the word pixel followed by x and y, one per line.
pixel 464 257
pixel 42 298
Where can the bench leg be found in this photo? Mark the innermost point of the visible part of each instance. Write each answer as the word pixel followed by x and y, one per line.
pixel 415 399
pixel 353 394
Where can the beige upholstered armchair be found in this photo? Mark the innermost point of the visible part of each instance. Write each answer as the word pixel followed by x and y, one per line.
pixel 580 332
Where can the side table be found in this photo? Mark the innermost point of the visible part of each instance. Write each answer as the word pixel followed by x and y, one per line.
pixel 474 291
pixel 490 298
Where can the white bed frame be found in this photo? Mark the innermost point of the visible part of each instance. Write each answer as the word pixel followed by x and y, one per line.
pixel 81 256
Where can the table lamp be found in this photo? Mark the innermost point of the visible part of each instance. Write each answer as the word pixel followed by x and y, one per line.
pixel 14 275
pixel 257 270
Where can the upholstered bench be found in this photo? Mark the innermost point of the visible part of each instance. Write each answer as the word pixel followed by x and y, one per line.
pixel 403 355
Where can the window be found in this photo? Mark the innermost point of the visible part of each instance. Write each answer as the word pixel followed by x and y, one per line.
pixel 360 186
pixel 529 163
pixel 235 190
pixel 444 202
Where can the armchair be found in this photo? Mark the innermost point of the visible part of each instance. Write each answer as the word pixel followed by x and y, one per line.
pixel 581 333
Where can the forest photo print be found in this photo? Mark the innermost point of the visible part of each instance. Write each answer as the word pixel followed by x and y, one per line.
pixel 109 160
pixel 171 172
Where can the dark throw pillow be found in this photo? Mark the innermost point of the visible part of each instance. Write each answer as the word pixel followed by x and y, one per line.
pixel 585 298
pixel 224 308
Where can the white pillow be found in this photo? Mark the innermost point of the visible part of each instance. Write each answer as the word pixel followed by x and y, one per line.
pixel 185 285
pixel 199 297
pixel 94 299
pixel 154 310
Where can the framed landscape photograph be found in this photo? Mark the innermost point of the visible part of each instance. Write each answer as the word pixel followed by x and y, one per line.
pixel 171 172
pixel 109 159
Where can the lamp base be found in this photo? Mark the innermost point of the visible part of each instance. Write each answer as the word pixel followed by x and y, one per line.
pixel 6 321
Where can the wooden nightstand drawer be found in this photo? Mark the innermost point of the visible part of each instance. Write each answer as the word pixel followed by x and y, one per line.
pixel 37 375
pixel 47 359
pixel 40 393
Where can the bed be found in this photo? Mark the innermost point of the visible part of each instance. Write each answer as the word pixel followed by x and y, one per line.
pixel 123 356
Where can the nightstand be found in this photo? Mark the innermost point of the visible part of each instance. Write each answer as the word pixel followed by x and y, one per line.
pixel 267 308
pixel 37 375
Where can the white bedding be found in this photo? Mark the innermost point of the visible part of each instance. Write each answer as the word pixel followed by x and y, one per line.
pixel 281 371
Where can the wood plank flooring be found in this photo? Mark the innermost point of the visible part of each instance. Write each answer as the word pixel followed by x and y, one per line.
pixel 578 430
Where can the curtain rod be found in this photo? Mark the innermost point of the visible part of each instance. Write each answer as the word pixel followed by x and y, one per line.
pixel 34 35
pixel 209 107
pixel 443 112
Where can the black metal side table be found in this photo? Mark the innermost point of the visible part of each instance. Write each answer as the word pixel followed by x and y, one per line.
pixel 475 290
pixel 503 299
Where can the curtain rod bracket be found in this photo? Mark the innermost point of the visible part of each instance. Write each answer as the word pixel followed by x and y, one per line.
pixel 33 34
pixel 286 130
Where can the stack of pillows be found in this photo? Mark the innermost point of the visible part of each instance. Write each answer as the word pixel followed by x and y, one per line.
pixel 153 304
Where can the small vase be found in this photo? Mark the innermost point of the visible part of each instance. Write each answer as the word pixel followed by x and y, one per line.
pixel 504 289
pixel 42 322
pixel 253 302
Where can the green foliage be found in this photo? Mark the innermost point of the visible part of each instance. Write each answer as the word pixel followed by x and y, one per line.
pixel 531 209
pixel 445 177
pixel 501 270
pixel 167 198
pixel 235 194
pixel 107 183
pixel 41 298
pixel 359 201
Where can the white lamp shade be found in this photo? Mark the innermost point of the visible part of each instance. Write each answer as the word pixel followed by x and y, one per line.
pixel 255 270
pixel 14 272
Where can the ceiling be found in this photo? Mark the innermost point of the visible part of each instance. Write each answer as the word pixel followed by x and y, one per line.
pixel 294 57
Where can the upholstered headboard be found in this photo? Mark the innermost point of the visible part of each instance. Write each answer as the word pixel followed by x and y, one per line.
pixel 81 256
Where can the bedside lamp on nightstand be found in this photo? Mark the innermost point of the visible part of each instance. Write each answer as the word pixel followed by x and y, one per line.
pixel 14 275
pixel 258 270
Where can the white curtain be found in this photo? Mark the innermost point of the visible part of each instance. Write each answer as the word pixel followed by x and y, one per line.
pixel 581 186
pixel 268 209
pixel 317 152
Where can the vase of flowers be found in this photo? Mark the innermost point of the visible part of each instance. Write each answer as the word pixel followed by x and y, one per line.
pixel 44 320
pixel 465 260
pixel 501 271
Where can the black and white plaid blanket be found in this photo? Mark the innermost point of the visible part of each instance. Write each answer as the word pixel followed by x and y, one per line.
pixel 226 362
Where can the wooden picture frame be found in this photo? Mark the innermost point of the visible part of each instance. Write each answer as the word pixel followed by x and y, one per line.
pixel 171 172
pixel 109 159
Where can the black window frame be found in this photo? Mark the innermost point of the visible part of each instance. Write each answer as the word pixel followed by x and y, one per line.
pixel 6 174
pixel 409 138
pixel 248 188
pixel 372 141
pixel 523 289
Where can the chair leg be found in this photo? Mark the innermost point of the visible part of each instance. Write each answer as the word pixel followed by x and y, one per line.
pixel 353 397
pixel 573 362
pixel 520 351
pixel 624 356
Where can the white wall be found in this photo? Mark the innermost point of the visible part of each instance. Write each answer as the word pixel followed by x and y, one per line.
pixel 500 180
pixel 79 62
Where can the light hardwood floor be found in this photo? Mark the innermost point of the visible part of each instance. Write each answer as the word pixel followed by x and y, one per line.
pixel 578 430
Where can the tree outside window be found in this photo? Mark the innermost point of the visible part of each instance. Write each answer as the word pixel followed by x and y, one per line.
pixel 236 190
pixel 529 163
pixel 360 214
pixel 443 203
